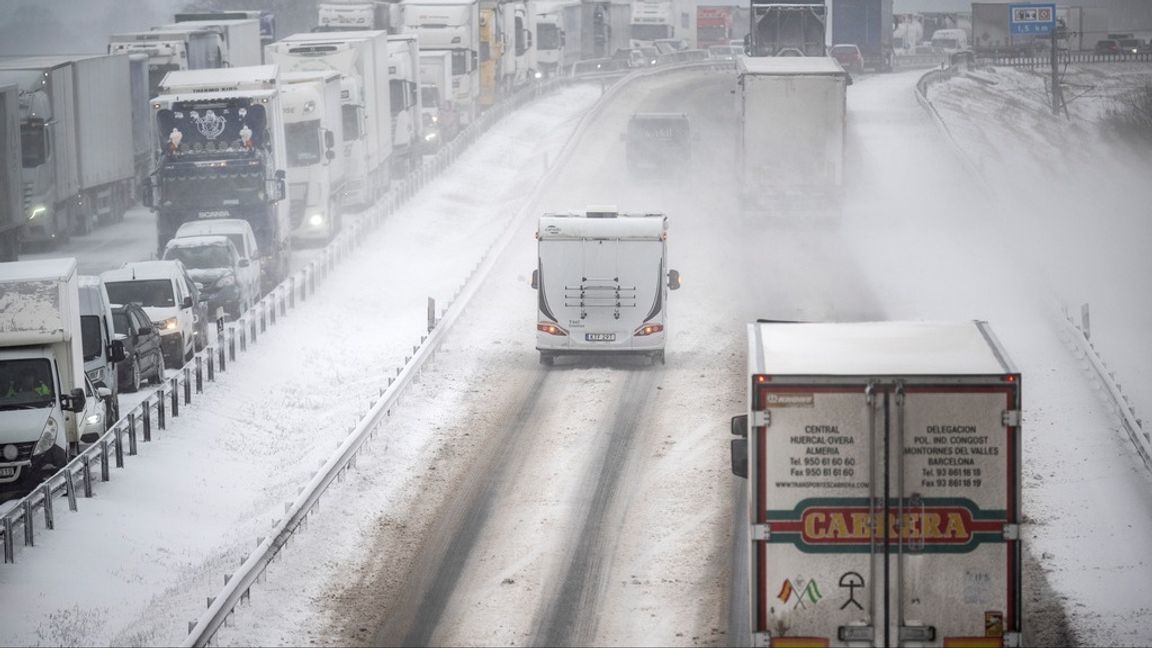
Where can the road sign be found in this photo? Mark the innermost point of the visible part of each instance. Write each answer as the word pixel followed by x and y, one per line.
pixel 1032 18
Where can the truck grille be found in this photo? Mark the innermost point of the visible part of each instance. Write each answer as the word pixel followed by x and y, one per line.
pixel 23 451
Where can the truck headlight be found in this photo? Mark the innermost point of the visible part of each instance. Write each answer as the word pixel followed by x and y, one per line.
pixel 316 220
pixel 428 137
pixel 169 324
pixel 37 211
pixel 47 437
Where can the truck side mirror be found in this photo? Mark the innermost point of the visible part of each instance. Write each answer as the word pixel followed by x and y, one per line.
pixel 116 351
pixel 563 40
pixel 329 155
pixel 739 425
pixel 329 140
pixel 244 263
pixel 73 402
pixel 535 279
pixel 187 302
pixel 748 44
pixel 673 280
pixel 739 450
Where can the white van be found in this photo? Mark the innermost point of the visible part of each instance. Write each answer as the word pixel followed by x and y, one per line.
pixel 949 41
pixel 240 232
pixel 170 298
pixel 602 284
pixel 101 348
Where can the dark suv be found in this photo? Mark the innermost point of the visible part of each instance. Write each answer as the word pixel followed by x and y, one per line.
pixel 142 354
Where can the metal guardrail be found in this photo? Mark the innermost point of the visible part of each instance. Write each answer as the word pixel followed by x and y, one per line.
pixel 1132 424
pixel 1063 58
pixel 77 476
pixel 237 586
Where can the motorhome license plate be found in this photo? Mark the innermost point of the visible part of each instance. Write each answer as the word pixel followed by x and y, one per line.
pixel 600 337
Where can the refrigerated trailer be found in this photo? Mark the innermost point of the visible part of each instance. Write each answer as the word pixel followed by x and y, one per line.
pixel 602 283
pixel 77 147
pixel 882 466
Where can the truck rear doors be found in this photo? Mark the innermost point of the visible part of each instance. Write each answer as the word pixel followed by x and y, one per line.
pixel 885 511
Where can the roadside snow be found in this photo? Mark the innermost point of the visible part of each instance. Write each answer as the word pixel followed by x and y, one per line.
pixel 137 561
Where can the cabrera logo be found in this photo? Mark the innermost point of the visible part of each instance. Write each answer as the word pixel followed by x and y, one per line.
pixel 930 525
pixel 789 400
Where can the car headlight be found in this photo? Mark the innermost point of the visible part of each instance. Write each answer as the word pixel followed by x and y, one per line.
pixel 539 75
pixel 169 324
pixel 95 420
pixel 316 220
pixel 96 375
pixel 428 137
pixel 37 211
pixel 47 437
pixel 435 118
pixel 226 280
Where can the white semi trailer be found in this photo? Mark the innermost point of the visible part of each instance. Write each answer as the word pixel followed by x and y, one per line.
pixel 361 57
pixel 451 26
pixel 882 486
pixel 793 118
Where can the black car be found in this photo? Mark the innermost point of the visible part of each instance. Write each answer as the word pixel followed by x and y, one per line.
pixel 143 356
pixel 658 145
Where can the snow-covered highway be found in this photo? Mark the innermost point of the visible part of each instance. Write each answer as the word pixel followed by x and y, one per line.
pixel 589 503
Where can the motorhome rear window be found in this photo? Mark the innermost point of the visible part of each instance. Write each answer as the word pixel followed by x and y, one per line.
pixel 147 292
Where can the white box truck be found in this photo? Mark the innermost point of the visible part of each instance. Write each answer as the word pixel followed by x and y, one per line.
pixel 793 117
pixel 602 283
pixel 313 127
pixel 223 155
pixel 438 109
pixel 178 48
pixel 361 57
pixel 407 125
pixel 78 155
pixel 882 466
pixel 11 197
pixel 451 26
pixel 47 407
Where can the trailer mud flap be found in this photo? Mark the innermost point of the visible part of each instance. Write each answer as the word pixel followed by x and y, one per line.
pixel 886 514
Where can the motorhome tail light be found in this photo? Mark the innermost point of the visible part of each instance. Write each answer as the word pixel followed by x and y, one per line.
pixel 649 329
pixel 550 329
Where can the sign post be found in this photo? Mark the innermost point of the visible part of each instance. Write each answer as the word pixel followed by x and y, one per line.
pixel 1039 20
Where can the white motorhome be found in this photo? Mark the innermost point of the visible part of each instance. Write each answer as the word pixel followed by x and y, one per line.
pixel 451 26
pixel 404 77
pixel 361 57
pixel 602 283
pixel 312 127
pixel 47 404
pixel 881 465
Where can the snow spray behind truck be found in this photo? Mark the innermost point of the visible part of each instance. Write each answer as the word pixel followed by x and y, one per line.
pixel 883 485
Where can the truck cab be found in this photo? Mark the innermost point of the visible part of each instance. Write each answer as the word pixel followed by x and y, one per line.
pixel 47 404
pixel 312 127
pixel 602 283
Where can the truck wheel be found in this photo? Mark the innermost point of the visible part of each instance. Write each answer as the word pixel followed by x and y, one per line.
pixel 134 376
pixel 158 369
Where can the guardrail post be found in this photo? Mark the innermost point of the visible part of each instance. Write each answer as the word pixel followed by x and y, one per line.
pixel 146 411
pixel 431 314
pixel 187 386
pixel 49 516
pixel 292 291
pixel 9 549
pixel 283 302
pixel 211 366
pixel 263 318
pixel 243 336
pixel 272 314
pixel 70 484
pixel 175 391
pixel 104 476
pixel 231 335
pixel 118 446
pixel 86 462
pixel 199 375
pixel 29 532
pixel 131 435
pixel 160 408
